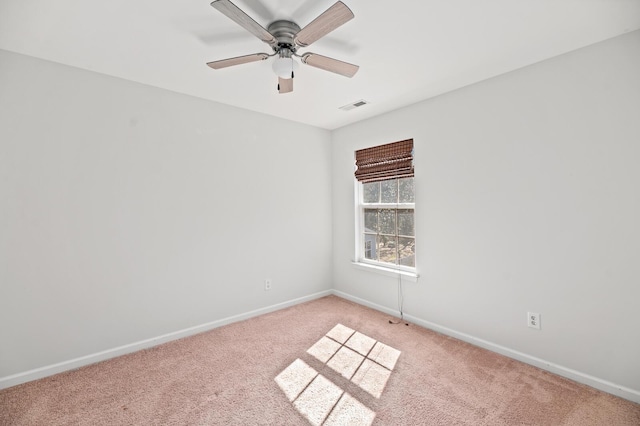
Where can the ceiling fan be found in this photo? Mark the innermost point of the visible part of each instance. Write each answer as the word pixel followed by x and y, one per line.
pixel 285 38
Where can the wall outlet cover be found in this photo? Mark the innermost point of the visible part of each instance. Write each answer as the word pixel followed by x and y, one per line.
pixel 533 320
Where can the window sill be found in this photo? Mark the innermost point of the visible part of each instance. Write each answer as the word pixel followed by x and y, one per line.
pixel 410 276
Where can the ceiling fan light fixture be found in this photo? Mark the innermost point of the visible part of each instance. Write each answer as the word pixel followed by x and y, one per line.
pixel 284 67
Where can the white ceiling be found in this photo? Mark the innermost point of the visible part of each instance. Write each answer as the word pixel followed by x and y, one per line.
pixel 408 50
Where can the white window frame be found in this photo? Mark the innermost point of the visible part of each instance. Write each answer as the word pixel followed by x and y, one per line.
pixel 370 264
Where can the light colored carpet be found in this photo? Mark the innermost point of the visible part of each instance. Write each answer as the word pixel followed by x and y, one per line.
pixel 329 362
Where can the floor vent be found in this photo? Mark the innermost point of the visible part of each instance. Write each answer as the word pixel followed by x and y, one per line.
pixel 353 105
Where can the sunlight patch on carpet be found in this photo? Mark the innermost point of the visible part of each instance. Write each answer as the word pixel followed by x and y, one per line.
pixel 358 358
pixel 317 400
pixel 360 343
pixel 295 378
pixel 340 333
pixel 349 411
pixel 371 377
pixel 384 355
pixel 345 362
pixel 324 349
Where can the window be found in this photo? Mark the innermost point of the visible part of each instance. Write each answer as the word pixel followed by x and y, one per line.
pixel 386 204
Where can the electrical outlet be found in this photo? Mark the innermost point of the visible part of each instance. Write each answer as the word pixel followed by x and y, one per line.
pixel 533 320
pixel 267 284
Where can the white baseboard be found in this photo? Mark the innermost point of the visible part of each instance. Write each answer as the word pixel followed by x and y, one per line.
pixel 595 382
pixel 49 370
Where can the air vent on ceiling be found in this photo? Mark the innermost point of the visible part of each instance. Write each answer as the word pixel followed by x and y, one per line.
pixel 353 105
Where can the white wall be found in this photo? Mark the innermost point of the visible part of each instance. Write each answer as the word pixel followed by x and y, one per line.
pixel 128 212
pixel 527 199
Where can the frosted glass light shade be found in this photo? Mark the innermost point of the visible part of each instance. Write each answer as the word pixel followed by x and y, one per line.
pixel 283 67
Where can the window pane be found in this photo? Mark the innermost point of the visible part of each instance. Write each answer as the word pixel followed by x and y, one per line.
pixel 389 191
pixel 406 250
pixel 387 235
pixel 387 221
pixel 371 192
pixel 370 220
pixel 405 222
pixel 387 249
pixel 406 190
pixel 370 246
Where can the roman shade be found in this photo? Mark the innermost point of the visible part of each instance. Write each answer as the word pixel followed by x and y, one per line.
pixel 390 161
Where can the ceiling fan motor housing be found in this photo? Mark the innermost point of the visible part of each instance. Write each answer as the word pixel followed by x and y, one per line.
pixel 285 32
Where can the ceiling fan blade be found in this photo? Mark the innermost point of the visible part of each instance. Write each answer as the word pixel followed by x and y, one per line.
pixel 285 85
pixel 223 63
pixel 234 13
pixel 330 64
pixel 328 21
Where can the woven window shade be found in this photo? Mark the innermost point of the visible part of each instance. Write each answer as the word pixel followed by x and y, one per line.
pixel 384 162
